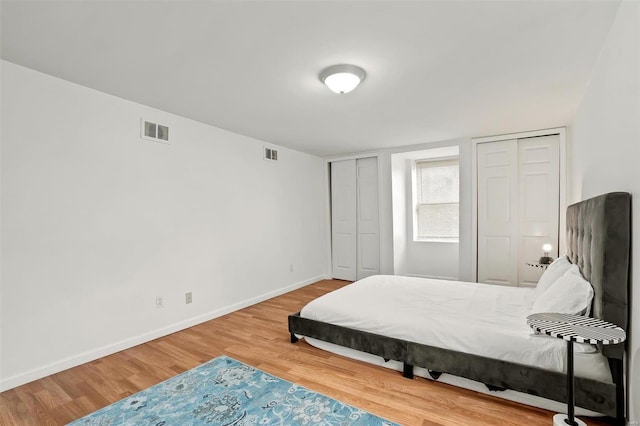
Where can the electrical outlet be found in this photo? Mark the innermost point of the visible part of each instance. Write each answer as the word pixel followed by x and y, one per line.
pixel 188 297
pixel 291 267
pixel 159 302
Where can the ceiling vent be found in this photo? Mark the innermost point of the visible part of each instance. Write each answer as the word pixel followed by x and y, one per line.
pixel 154 131
pixel 270 154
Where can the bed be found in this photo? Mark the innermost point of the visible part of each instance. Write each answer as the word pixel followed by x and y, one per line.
pixel 477 332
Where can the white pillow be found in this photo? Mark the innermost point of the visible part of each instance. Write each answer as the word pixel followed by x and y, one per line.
pixel 557 269
pixel 570 294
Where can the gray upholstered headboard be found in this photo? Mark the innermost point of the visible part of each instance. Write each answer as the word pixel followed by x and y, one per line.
pixel 599 241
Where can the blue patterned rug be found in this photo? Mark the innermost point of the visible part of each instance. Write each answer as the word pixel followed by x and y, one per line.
pixel 224 391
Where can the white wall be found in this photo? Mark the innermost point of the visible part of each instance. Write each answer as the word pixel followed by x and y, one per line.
pixel 605 150
pixel 466 271
pixel 97 222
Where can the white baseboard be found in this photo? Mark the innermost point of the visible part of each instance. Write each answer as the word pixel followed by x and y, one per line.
pixel 88 356
pixel 436 277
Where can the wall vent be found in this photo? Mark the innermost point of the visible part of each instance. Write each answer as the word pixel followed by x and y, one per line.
pixel 270 154
pixel 153 131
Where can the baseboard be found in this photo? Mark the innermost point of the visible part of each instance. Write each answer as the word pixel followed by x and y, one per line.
pixel 73 361
pixel 435 277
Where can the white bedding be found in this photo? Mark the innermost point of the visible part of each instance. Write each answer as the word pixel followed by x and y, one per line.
pixel 482 319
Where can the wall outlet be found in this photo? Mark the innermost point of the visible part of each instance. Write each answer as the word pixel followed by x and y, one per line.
pixel 159 302
pixel 291 267
pixel 188 297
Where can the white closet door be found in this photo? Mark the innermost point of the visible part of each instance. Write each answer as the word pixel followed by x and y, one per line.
pixel 343 219
pixel 498 212
pixel 368 249
pixel 538 202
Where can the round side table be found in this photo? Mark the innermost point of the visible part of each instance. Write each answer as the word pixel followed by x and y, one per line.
pixel 574 328
pixel 536 264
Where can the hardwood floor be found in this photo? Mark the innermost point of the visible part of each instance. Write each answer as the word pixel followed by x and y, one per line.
pixel 258 336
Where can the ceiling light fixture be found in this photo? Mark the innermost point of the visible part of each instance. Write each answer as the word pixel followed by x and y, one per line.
pixel 342 78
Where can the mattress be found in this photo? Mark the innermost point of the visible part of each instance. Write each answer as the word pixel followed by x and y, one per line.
pixel 481 319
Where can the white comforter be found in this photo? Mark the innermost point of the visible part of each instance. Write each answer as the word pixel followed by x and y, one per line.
pixel 482 319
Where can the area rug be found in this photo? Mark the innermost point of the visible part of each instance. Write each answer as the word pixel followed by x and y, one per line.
pixel 224 391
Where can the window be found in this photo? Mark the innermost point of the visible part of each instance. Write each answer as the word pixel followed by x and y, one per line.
pixel 436 195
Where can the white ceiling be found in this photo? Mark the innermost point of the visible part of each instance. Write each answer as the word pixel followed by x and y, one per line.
pixel 435 70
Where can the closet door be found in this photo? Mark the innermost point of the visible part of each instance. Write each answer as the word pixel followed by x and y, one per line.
pixel 518 207
pixel 498 212
pixel 355 240
pixel 368 248
pixel 343 220
pixel 538 202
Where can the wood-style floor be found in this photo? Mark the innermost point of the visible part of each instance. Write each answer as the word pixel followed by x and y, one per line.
pixel 258 336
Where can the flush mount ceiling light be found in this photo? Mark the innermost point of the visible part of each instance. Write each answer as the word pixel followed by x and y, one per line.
pixel 342 78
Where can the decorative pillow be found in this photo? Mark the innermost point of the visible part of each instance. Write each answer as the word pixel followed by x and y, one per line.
pixel 557 269
pixel 570 294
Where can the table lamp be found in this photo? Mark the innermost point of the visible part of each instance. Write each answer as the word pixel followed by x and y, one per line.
pixel 546 259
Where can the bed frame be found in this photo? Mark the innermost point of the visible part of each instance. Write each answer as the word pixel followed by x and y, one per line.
pixel 599 242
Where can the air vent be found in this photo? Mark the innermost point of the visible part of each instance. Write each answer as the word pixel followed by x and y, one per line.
pixel 270 154
pixel 154 131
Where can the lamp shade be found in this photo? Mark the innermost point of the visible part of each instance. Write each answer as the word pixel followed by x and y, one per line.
pixel 546 259
pixel 342 78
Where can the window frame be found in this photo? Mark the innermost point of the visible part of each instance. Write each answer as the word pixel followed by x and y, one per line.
pixel 452 159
